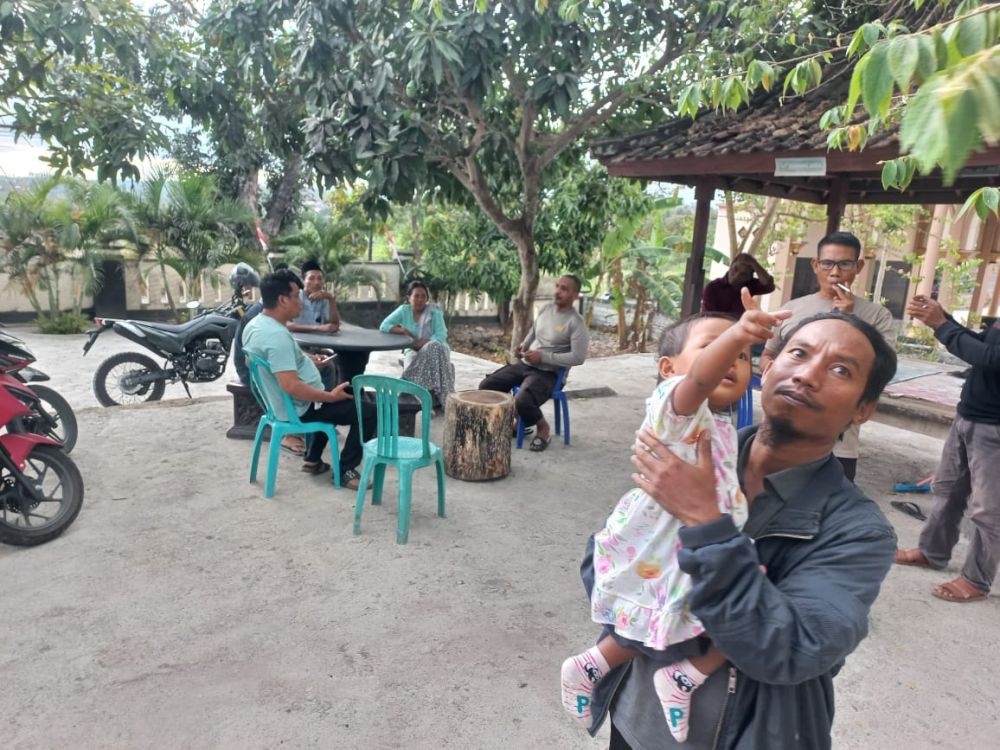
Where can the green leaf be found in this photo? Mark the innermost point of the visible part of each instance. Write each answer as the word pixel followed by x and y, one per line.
pixel 922 130
pixel 926 58
pixel 961 132
pixel 971 35
pixel 904 54
pixel 870 32
pixel 991 199
pixel 889 174
pixel 855 89
pixel 856 41
pixel 876 86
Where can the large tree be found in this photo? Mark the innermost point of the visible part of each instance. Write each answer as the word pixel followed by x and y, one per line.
pixel 485 98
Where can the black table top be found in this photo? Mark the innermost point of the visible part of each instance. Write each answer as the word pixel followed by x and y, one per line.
pixel 354 339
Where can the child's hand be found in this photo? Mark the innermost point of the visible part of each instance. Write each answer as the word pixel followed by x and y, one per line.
pixel 755 324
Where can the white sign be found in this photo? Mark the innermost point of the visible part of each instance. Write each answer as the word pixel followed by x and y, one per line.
pixel 808 166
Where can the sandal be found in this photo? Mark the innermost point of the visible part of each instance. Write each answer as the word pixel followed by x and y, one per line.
pixel 913 557
pixel 960 591
pixel 910 509
pixel 539 444
pixel 297 450
pixel 320 467
pixel 351 480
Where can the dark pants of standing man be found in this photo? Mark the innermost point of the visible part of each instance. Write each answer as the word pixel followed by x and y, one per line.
pixel 967 477
pixel 341 413
pixel 536 388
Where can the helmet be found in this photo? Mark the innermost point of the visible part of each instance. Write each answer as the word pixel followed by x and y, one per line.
pixel 243 277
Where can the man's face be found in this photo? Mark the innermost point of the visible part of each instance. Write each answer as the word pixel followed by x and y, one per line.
pixel 740 273
pixel 314 282
pixel 291 303
pixel 816 382
pixel 566 292
pixel 836 255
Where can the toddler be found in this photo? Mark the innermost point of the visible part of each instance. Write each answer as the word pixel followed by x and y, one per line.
pixel 639 590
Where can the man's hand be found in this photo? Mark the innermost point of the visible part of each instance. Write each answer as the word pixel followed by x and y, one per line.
pixel 685 491
pixel 926 310
pixel 842 300
pixel 518 352
pixel 320 360
pixel 532 357
pixel 755 325
pixel 327 328
pixel 321 294
pixel 338 394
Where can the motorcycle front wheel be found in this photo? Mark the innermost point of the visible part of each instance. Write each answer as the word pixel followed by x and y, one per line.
pixel 26 521
pixel 113 381
pixel 53 418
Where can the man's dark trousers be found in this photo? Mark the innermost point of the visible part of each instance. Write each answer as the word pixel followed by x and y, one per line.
pixel 536 388
pixel 341 413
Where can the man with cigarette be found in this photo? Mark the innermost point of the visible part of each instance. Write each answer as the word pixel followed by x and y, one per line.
pixel 836 265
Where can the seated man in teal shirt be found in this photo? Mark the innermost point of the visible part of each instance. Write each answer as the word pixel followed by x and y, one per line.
pixel 267 336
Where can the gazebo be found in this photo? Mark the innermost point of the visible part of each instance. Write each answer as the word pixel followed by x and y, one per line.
pixel 773 150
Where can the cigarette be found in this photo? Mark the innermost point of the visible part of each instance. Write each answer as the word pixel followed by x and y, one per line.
pixel 841 286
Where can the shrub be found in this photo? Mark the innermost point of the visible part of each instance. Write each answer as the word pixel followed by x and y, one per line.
pixel 63 323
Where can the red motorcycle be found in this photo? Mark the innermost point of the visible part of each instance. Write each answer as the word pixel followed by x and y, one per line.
pixel 41 490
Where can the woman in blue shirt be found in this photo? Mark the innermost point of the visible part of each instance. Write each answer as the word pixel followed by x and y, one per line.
pixel 428 363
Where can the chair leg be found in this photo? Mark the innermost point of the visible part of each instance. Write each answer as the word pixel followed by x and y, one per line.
pixel 405 491
pixel 334 455
pixel 520 433
pixel 555 405
pixel 440 478
pixel 273 455
pixel 565 413
pixel 378 484
pixel 255 454
pixel 359 504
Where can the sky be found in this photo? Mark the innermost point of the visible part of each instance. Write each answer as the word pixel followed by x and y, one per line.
pixel 20 159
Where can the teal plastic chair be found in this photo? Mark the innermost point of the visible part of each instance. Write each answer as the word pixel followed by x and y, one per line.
pixel 389 447
pixel 260 373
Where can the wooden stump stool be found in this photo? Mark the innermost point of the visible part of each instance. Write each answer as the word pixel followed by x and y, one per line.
pixel 477 427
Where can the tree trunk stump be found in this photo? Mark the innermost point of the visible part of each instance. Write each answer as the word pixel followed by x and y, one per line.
pixel 477 426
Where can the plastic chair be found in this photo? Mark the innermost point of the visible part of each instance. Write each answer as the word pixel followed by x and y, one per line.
pixel 561 405
pixel 260 373
pixel 389 447
pixel 744 407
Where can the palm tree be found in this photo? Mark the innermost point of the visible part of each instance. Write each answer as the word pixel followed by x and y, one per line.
pixel 28 240
pixel 187 225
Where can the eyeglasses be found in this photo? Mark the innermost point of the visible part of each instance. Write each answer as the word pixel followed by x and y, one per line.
pixel 843 265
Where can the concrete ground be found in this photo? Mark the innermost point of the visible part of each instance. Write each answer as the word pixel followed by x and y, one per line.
pixel 182 610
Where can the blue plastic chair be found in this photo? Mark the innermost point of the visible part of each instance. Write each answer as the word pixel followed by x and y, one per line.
pixel 744 407
pixel 389 447
pixel 561 405
pixel 260 373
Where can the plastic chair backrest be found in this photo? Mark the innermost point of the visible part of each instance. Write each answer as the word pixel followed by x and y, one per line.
pixel 387 392
pixel 260 376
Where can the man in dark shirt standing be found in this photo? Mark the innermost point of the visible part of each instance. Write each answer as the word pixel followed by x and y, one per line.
pixel 723 294
pixel 970 463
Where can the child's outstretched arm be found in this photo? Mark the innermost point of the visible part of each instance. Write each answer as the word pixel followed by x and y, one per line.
pixel 716 359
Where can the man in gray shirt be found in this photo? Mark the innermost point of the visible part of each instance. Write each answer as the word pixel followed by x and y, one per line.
pixel 558 339
pixel 837 263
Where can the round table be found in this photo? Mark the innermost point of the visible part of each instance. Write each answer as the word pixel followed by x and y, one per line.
pixel 354 339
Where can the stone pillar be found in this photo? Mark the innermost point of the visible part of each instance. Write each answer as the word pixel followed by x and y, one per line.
pixel 939 226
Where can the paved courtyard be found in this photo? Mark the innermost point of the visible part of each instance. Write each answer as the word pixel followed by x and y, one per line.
pixel 182 610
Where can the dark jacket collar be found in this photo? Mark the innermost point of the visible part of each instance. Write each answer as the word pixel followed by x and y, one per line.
pixel 794 499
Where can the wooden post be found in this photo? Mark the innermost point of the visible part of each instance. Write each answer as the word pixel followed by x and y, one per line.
pixel 835 204
pixel 694 276
pixel 477 428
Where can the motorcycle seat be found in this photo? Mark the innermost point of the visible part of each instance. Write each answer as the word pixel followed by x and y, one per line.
pixel 168 327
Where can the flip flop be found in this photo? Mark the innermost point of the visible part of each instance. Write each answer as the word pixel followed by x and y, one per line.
pixel 959 591
pixel 538 444
pixel 300 452
pixel 910 509
pixel 320 467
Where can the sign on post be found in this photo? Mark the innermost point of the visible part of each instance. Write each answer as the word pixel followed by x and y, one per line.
pixel 805 166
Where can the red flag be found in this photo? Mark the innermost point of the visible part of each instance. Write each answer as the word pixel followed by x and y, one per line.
pixel 261 238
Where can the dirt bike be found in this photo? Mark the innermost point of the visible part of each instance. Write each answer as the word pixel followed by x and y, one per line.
pixel 50 414
pixel 41 490
pixel 195 352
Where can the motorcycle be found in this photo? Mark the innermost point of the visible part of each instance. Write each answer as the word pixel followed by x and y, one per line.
pixel 41 490
pixel 50 414
pixel 195 352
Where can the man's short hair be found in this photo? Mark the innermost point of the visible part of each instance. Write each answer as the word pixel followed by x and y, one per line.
pixel 311 265
pixel 575 279
pixel 277 284
pixel 884 366
pixel 675 336
pixel 840 238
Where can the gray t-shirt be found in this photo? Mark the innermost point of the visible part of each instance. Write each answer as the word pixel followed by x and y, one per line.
pixel 870 312
pixel 560 335
pixel 637 715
